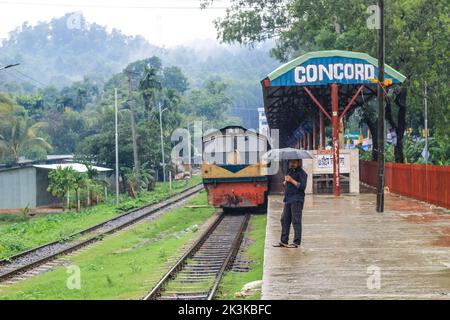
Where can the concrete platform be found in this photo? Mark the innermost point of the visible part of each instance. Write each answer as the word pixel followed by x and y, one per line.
pixel 351 249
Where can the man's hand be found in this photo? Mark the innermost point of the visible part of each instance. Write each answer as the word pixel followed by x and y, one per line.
pixel 290 180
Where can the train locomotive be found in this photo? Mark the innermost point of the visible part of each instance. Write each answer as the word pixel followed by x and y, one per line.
pixel 234 173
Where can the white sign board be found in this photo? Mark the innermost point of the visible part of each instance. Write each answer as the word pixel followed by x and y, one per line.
pixel 323 163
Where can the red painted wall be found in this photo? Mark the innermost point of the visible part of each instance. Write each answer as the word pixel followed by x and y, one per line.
pixel 430 183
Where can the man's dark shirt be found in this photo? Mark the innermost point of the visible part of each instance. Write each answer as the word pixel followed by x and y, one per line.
pixel 293 193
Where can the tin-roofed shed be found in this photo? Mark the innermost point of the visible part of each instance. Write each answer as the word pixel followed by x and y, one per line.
pixel 26 185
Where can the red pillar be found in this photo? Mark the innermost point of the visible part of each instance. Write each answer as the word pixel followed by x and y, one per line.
pixel 321 131
pixel 305 141
pixel 335 129
pixel 310 147
pixel 314 141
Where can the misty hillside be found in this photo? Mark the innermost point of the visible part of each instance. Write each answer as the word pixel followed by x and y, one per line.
pixel 56 53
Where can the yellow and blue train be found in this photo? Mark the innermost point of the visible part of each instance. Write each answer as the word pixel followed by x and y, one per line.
pixel 233 171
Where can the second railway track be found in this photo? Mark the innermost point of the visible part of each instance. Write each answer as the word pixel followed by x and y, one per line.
pixel 197 274
pixel 35 257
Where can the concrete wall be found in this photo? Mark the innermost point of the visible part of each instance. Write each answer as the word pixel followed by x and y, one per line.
pixel 18 188
pixel 307 165
pixel 350 166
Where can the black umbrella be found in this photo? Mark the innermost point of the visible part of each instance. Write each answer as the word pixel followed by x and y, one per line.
pixel 288 154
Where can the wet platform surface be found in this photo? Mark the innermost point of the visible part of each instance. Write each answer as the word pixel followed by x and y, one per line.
pixel 353 252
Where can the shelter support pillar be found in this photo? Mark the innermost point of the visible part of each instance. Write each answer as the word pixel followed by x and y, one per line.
pixel 310 145
pixel 314 139
pixel 321 131
pixel 335 131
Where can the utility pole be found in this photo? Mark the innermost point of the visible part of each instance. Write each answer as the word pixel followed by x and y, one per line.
pixel 189 146
pixel 381 109
pixel 116 145
pixel 162 141
pixel 133 135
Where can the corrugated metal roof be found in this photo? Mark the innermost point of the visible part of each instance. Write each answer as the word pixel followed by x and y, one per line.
pixel 78 167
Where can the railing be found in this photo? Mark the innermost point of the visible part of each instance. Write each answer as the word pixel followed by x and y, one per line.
pixel 430 183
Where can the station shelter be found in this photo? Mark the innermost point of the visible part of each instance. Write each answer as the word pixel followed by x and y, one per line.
pixel 315 91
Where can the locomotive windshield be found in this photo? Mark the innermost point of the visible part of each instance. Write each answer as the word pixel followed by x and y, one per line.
pixel 234 146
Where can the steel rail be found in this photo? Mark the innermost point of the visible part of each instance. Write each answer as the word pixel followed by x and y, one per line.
pixel 152 209
pixel 155 293
pixel 230 257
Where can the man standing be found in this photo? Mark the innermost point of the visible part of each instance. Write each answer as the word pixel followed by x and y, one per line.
pixel 294 197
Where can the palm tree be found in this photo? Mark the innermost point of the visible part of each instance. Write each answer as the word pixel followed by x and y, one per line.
pixel 148 84
pixel 17 133
pixel 6 107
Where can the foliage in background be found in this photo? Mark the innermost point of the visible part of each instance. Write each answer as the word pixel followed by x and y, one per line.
pixel 61 180
pixel 92 54
pixel 417 36
pixel 19 233
pixel 439 151
pixel 18 133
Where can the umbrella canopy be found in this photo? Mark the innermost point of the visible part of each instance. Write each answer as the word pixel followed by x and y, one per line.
pixel 288 154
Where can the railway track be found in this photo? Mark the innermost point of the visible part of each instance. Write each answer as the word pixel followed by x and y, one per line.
pixel 197 274
pixel 31 259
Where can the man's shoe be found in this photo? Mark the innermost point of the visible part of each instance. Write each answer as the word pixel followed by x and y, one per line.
pixel 293 245
pixel 281 244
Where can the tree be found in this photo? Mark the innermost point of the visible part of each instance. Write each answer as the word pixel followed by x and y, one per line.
pixel 80 180
pixel 34 104
pixel 210 103
pixel 61 181
pixel 148 84
pixel 54 54
pixel 417 36
pixel 66 130
pixel 6 107
pixel 17 131
pixel 173 78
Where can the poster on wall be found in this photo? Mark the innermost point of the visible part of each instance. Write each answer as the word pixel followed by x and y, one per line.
pixel 323 163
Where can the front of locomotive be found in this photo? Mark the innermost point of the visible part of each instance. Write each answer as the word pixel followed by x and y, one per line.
pixel 233 172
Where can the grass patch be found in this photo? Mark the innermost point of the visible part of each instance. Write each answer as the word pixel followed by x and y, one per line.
pixel 10 218
pixel 232 281
pixel 124 266
pixel 18 233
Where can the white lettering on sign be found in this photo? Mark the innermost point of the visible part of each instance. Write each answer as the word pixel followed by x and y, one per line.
pixel 359 71
pixel 300 71
pixel 337 71
pixel 369 71
pixel 327 71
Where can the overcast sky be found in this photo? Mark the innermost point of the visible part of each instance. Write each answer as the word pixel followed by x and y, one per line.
pixel 161 22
